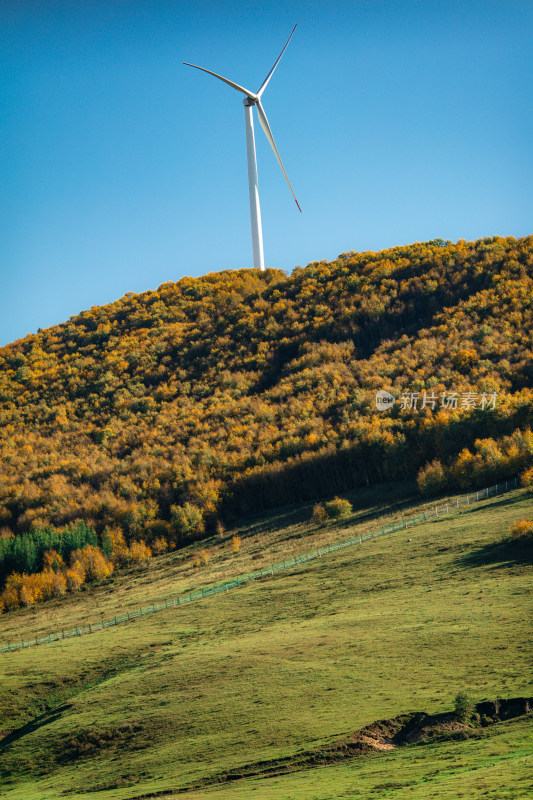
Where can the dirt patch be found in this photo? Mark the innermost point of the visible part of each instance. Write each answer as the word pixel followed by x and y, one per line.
pixel 376 744
pixel 419 726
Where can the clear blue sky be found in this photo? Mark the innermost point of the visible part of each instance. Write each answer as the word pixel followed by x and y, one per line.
pixel 397 121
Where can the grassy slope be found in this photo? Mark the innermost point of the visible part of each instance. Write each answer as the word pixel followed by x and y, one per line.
pixel 497 766
pixel 267 539
pixel 278 666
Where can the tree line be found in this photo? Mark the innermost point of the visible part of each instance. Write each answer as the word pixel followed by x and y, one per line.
pixel 168 411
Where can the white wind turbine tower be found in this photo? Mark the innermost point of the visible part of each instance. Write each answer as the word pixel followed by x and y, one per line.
pixel 254 99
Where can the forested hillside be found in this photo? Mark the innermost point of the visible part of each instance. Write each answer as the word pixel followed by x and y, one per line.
pixel 213 397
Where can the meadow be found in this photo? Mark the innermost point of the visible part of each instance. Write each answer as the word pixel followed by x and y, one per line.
pixel 279 667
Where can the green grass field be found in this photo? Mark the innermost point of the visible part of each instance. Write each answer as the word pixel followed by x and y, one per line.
pixel 280 666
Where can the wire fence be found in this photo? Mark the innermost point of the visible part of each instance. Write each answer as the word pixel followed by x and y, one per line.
pixel 434 511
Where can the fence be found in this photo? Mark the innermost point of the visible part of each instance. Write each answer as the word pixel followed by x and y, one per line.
pixel 435 510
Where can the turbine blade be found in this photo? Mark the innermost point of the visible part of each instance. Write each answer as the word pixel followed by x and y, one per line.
pixel 251 95
pixel 264 84
pixel 268 133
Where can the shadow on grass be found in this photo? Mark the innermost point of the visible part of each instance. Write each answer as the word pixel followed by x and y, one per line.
pixel 500 554
pixel 495 502
pixel 369 503
pixel 38 722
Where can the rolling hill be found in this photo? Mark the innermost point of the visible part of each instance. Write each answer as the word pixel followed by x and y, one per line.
pixel 175 439
pixel 241 391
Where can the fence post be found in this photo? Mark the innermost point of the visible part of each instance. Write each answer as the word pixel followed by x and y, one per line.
pixel 436 511
pixel 477 495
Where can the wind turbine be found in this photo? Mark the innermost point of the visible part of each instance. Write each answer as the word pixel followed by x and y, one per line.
pixel 254 99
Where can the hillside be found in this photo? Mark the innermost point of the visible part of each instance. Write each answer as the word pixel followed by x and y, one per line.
pixel 214 397
pixel 283 668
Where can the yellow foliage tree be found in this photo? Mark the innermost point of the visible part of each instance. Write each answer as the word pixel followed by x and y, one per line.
pixel 140 553
pixel 75 577
pixel 159 545
pixel 52 560
pixel 95 564
pixel 432 478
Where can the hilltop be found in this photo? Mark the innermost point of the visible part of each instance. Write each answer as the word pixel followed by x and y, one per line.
pixel 210 398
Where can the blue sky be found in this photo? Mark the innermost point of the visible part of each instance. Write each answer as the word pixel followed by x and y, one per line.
pixel 121 168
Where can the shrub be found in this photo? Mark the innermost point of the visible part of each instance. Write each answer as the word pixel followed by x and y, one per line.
pixel 320 516
pixel 140 553
pixel 236 543
pixel 432 478
pixel 522 531
pixel 159 545
pixel 463 706
pixel 338 508
pixel 526 478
